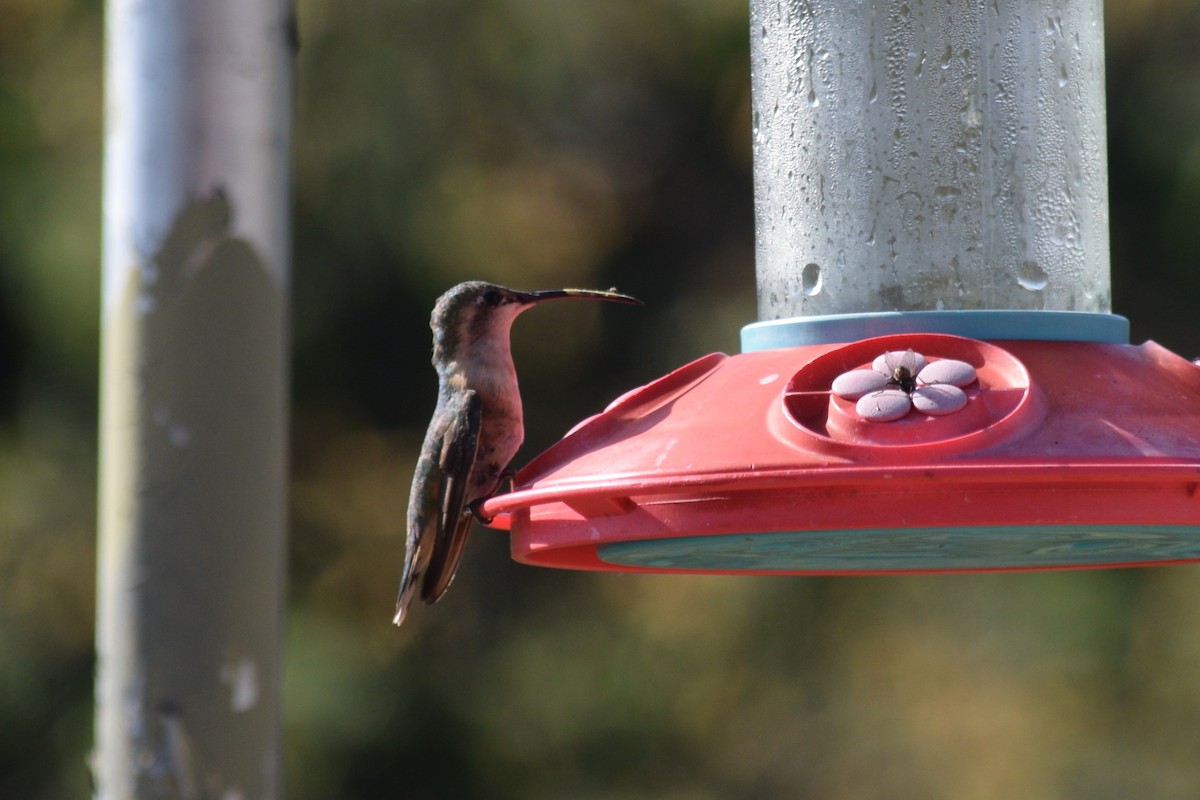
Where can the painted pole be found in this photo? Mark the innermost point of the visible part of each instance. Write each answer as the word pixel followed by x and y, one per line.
pixel 193 399
pixel 919 156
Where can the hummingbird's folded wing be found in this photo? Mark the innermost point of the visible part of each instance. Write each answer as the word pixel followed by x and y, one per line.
pixel 459 449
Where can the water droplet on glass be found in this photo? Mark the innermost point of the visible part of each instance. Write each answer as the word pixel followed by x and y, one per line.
pixel 811 279
pixel 1031 276
pixel 179 435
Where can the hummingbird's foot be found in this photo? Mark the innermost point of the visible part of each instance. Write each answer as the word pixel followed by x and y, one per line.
pixel 506 476
pixel 474 507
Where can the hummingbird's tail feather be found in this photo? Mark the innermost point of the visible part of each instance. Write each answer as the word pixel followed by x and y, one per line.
pixel 408 587
pixel 416 564
pixel 443 565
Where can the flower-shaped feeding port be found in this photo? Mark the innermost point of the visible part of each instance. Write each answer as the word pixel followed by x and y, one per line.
pixel 901 380
pixel 966 393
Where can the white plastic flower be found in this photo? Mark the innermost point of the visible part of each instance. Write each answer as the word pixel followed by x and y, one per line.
pixel 901 380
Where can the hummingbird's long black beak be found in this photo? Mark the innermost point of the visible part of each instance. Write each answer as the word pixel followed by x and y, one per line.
pixel 611 295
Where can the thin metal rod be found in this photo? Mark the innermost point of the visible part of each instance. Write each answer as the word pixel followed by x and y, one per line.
pixel 919 156
pixel 193 398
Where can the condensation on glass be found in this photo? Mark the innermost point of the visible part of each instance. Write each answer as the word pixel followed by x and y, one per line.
pixel 929 156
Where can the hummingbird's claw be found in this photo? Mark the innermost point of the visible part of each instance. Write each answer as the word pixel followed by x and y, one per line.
pixel 506 476
pixel 473 507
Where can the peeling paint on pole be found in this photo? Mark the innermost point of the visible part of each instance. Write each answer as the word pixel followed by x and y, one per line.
pixel 193 400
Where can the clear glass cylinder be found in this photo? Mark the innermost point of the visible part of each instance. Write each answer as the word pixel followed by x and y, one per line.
pixel 911 155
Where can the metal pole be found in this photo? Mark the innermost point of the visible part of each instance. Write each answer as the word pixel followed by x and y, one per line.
pixel 193 399
pixel 919 156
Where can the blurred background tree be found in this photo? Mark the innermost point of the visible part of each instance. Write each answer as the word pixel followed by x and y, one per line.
pixel 543 143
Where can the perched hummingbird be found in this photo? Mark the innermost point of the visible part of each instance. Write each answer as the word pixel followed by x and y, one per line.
pixel 475 431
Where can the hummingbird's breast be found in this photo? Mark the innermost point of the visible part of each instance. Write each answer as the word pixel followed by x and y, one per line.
pixel 503 426
pixel 490 373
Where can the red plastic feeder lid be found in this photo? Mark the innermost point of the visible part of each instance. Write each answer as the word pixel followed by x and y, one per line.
pixel 1057 454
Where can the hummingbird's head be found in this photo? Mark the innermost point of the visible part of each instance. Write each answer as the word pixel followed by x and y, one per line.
pixel 476 310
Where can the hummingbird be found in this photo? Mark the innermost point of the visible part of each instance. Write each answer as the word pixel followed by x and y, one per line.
pixel 476 429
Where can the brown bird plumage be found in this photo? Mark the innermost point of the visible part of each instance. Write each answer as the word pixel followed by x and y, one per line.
pixel 476 429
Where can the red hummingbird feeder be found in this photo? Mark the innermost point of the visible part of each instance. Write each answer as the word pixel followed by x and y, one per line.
pixel 937 384
pixel 1067 454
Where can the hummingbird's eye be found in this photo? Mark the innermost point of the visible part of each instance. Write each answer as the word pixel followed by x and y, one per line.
pixel 492 297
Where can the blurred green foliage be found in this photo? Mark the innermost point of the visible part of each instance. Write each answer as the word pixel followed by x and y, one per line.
pixel 542 143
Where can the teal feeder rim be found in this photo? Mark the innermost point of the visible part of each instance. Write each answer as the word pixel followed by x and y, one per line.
pixel 990 325
pixel 913 550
